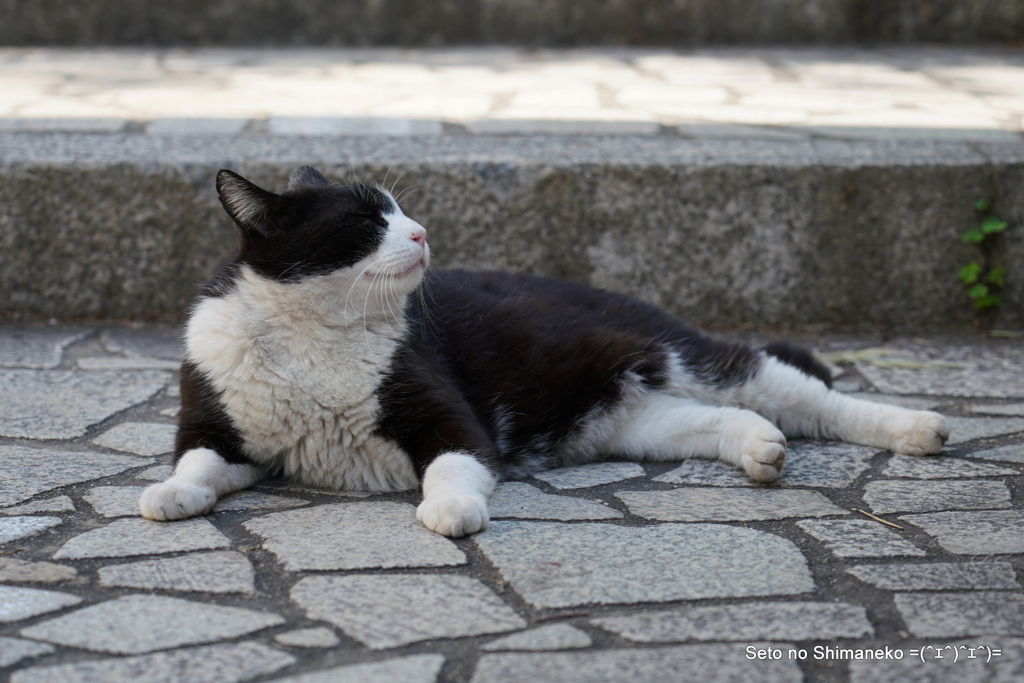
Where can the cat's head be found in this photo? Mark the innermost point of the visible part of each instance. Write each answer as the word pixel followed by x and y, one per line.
pixel 325 232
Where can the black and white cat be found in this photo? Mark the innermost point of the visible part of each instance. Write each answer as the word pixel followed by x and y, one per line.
pixel 327 353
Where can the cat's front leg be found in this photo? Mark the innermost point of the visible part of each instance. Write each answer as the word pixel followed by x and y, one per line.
pixel 200 477
pixel 456 487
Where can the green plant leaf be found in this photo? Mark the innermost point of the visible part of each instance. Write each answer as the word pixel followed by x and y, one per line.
pixel 981 205
pixel 990 301
pixel 993 224
pixel 975 236
pixel 969 274
pixel 978 291
pixel 996 276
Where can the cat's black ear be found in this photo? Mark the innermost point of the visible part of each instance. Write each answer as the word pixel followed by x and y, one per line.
pixel 250 207
pixel 307 176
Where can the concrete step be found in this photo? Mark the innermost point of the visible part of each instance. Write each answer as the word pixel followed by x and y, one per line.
pixel 821 189
pixel 812 233
pixel 90 23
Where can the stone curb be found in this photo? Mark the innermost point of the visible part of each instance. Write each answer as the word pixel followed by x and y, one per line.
pixel 831 234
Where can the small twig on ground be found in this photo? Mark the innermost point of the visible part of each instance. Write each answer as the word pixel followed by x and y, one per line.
pixel 878 519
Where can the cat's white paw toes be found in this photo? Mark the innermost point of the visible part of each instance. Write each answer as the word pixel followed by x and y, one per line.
pixel 764 455
pixel 454 515
pixel 166 501
pixel 919 432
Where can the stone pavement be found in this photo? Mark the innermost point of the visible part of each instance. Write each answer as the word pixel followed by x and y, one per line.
pixel 770 93
pixel 610 572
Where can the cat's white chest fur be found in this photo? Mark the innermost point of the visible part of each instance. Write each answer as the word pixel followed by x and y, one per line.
pixel 301 393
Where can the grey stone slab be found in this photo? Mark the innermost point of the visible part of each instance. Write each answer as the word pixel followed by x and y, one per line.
pixel 1010 453
pixel 963 429
pixel 938 576
pixel 354 536
pixel 947 370
pixel 1010 409
pixel 391 611
pixel 705 663
pixel 953 615
pixel 318 636
pixel 217 572
pixel 24 603
pixel 145 342
pixel 136 624
pixel 115 501
pixel 991 659
pixel 69 124
pixel 826 464
pixel 25 472
pixel 921 134
pixel 705 473
pixel 336 125
pixel 141 438
pixel 560 127
pixel 594 474
pixel 123 501
pixel 39 348
pixel 15 571
pixel 734 131
pixel 910 467
pixel 256 500
pixel 13 528
pixel 13 650
pixel 616 251
pixel 992 532
pixel 859 538
pixel 172 125
pixel 55 504
pixel 171 412
pixel 128 363
pixel 559 565
pixel 542 638
pixel 808 463
pixel 753 621
pixel 226 663
pixel 54 404
pixel 414 669
pixel 516 499
pixel 127 537
pixel 158 473
pixel 932 496
pixel 693 504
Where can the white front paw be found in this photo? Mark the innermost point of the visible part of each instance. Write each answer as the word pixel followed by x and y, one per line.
pixel 176 501
pixel 458 515
pixel 764 454
pixel 918 432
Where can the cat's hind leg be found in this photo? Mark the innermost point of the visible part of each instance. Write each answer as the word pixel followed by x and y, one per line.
pixel 456 487
pixel 660 426
pixel 200 477
pixel 803 406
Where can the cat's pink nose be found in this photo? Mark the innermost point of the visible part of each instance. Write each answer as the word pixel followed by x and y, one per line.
pixel 419 236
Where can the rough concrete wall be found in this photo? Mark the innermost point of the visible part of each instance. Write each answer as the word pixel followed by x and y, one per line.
pixel 721 245
pixel 514 22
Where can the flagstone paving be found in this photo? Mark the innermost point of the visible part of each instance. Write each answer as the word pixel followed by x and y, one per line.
pixel 617 571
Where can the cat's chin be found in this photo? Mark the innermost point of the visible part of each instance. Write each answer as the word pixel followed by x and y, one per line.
pixel 414 270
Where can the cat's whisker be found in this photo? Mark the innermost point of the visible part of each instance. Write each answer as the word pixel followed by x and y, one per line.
pixel 406 192
pixel 398 180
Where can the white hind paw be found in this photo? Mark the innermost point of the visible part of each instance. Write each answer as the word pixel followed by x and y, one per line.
pixel 918 432
pixel 168 500
pixel 454 516
pixel 764 455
